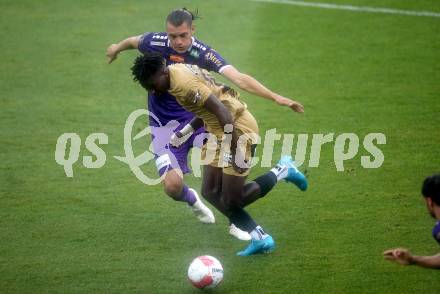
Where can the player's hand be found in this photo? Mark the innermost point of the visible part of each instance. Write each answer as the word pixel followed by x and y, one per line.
pixel 399 255
pixel 295 106
pixel 236 167
pixel 112 52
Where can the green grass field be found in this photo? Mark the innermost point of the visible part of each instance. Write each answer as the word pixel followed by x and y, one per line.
pixel 105 231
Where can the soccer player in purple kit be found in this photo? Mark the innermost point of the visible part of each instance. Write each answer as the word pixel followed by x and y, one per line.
pixel 178 45
pixel 431 193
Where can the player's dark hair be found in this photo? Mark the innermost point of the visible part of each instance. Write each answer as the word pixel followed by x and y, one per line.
pixel 431 188
pixel 179 16
pixel 145 66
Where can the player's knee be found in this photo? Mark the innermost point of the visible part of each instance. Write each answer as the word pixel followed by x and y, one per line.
pixel 173 187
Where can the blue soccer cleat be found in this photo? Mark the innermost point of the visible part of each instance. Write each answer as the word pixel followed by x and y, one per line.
pixel 258 246
pixel 293 174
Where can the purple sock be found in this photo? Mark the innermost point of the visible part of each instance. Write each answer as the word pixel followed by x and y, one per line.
pixel 187 196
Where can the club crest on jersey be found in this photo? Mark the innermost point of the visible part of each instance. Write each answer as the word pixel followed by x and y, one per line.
pixel 194 53
pixel 195 97
pixel 177 58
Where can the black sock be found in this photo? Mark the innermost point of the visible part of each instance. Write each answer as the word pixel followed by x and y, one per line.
pixel 266 182
pixel 242 220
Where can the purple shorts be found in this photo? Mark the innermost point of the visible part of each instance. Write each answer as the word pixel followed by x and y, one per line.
pixel 169 157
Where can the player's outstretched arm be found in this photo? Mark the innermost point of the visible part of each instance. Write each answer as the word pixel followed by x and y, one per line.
pixel 114 49
pixel 251 85
pixel 427 261
pixel 404 257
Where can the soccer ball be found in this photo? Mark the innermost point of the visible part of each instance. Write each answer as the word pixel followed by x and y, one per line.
pixel 205 272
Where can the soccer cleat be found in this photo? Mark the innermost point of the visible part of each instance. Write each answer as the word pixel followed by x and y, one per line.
pixel 239 234
pixel 266 245
pixel 203 213
pixel 293 174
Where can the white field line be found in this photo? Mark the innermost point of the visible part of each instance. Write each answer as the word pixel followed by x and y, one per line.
pixel 353 8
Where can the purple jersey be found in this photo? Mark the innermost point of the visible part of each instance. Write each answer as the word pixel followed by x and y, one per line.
pixel 436 232
pixel 165 107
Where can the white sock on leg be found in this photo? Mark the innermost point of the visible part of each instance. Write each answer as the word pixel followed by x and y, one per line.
pixel 280 171
pixel 258 234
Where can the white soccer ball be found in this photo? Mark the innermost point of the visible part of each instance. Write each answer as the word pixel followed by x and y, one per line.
pixel 205 272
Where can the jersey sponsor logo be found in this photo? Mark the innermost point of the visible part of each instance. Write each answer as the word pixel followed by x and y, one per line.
pixel 177 58
pixel 153 43
pixel 211 56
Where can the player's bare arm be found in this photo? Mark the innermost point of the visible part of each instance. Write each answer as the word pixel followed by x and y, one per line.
pixel 427 261
pixel 224 117
pixel 251 85
pixel 114 49
pixel 404 257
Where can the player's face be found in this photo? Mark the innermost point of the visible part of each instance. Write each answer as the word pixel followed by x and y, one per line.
pixel 160 82
pixel 180 37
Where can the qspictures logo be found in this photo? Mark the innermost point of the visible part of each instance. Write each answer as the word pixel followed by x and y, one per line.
pixel 346 147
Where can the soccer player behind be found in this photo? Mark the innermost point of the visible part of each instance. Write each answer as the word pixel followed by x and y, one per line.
pixel 178 45
pixel 219 109
pixel 431 193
